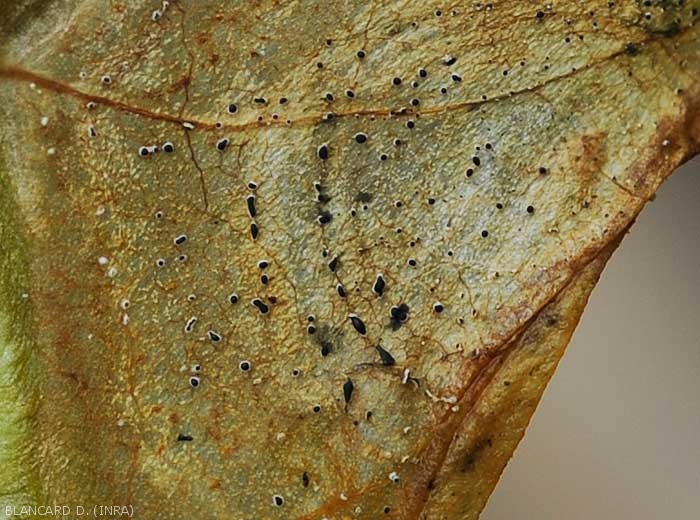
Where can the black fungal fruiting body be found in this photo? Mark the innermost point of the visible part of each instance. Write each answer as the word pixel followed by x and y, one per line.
pixel 250 201
pixel 387 359
pixel 379 285
pixel 333 264
pixel 358 324
pixel 324 218
pixel 348 389
pixel 326 348
pixel 222 144
pixel 399 316
pixel 261 305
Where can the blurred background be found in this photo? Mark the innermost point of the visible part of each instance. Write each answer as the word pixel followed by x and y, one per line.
pixel 617 434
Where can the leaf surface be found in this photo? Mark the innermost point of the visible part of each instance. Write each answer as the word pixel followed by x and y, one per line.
pixel 312 260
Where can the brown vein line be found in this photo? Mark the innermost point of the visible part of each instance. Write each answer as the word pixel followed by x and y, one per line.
pixel 17 73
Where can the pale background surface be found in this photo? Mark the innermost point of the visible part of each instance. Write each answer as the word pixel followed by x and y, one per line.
pixel 617 434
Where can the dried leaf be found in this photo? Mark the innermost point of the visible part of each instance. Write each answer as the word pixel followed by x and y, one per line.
pixel 311 260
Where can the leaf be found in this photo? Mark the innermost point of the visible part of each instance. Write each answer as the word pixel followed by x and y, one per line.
pixel 257 262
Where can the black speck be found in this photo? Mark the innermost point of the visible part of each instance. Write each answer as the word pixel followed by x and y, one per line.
pixel 348 389
pixel 379 285
pixel 325 217
pixel 398 316
pixel 322 152
pixel 326 348
pixel 261 305
pixel 250 201
pixel 333 264
pixel 358 324
pixel 222 144
pixel 387 359
pixel 184 438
